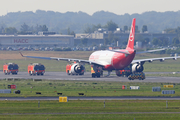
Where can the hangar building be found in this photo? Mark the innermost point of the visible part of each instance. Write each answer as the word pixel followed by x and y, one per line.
pixel 41 40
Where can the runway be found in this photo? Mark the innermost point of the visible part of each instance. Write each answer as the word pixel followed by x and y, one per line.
pixel 87 77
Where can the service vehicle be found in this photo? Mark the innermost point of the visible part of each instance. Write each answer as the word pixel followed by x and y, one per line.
pixel 36 69
pixel 124 73
pixel 96 71
pixel 10 68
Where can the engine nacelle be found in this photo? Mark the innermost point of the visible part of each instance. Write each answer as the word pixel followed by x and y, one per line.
pixel 77 69
pixel 137 68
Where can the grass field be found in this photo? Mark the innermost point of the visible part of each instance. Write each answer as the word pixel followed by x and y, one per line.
pixel 52 65
pixel 89 88
pixel 115 109
pixel 110 116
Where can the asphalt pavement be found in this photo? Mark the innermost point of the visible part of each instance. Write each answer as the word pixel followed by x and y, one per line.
pixel 93 98
pixel 87 77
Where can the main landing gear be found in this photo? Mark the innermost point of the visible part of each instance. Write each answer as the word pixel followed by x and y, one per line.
pixel 96 71
pixel 99 74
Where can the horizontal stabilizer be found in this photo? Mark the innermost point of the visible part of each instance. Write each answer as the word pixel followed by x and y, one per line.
pixel 150 51
pixel 119 51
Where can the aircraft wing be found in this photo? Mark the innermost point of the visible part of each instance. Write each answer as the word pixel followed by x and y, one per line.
pixel 126 52
pixel 64 59
pixel 120 51
pixel 154 59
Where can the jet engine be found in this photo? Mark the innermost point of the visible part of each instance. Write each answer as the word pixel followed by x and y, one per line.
pixel 77 69
pixel 137 68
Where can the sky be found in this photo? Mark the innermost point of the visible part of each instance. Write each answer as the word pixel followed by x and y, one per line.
pixel 119 7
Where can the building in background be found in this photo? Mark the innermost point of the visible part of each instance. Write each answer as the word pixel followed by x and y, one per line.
pixel 39 40
pixel 99 37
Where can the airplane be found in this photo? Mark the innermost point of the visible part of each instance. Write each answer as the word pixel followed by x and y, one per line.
pixel 110 60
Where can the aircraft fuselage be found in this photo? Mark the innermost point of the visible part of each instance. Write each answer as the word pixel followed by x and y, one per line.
pixel 112 60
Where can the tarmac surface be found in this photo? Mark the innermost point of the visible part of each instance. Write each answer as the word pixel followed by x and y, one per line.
pixel 93 98
pixel 87 77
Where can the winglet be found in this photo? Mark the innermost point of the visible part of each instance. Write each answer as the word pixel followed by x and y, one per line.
pixel 21 54
pixel 150 51
pixel 131 35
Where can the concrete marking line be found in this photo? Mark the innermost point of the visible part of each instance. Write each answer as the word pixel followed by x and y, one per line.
pixel 91 113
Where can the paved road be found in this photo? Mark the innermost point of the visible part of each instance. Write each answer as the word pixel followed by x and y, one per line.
pixel 90 113
pixel 87 76
pixel 93 98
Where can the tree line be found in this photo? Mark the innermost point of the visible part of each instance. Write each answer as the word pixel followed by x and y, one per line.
pixel 25 29
pixel 164 41
pixel 176 40
pixel 112 26
pixel 59 22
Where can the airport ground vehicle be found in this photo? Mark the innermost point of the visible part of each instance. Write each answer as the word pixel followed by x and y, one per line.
pixel 96 71
pixel 10 68
pixel 137 75
pixel 124 73
pixel 36 69
pixel 75 69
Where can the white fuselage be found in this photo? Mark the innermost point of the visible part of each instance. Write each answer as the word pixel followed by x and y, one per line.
pixel 102 57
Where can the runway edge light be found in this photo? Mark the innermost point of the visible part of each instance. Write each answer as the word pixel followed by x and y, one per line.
pixel 63 99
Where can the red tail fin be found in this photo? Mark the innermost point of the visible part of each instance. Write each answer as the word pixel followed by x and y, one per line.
pixel 131 35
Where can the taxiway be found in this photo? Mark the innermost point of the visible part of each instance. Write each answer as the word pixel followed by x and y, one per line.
pixel 87 77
